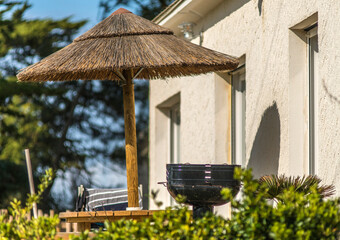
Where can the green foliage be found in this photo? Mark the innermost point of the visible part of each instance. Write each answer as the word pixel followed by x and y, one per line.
pixel 21 228
pixel 277 185
pixel 22 105
pixel 19 128
pixel 297 216
pixel 9 186
pixel 300 216
pixel 154 198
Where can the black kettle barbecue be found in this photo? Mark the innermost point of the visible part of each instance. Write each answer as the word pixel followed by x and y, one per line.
pixel 201 184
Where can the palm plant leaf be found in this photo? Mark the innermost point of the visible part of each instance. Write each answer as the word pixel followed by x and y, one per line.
pixel 277 184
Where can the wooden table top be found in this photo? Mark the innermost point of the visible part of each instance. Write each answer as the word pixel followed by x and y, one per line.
pixel 101 216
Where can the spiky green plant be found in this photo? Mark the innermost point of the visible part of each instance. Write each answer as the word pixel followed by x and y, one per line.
pixel 277 184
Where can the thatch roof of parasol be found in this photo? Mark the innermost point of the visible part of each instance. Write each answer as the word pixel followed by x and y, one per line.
pixel 124 41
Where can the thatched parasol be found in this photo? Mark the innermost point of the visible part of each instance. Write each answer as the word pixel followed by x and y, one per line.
pixel 122 47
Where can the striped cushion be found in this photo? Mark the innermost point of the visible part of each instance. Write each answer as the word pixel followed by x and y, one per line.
pixel 107 199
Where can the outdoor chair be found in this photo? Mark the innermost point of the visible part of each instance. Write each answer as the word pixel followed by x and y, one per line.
pixel 95 199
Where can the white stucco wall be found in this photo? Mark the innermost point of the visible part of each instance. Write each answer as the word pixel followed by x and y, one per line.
pixel 276 91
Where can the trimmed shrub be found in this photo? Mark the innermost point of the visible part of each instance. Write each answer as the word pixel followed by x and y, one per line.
pixel 14 224
pixel 298 216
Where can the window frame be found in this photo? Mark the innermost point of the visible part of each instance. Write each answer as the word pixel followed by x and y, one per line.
pixel 238 110
pixel 174 133
pixel 313 79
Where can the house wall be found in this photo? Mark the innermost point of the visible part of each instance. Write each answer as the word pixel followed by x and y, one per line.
pixel 267 33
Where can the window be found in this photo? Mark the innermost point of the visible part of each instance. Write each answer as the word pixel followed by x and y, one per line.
pixel 238 116
pixel 312 44
pixel 302 101
pixel 166 122
pixel 175 125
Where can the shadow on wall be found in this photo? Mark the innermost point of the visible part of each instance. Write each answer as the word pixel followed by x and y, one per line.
pixel 224 11
pixel 259 6
pixel 264 157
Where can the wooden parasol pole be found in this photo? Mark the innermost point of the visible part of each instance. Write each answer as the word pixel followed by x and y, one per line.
pixel 30 179
pixel 130 140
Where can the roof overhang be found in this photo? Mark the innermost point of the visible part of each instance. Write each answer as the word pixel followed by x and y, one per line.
pixel 181 11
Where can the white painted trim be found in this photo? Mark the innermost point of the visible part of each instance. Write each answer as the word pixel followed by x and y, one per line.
pixel 170 11
pixel 184 11
pixel 174 139
pixel 238 117
pixel 313 80
pixel 174 150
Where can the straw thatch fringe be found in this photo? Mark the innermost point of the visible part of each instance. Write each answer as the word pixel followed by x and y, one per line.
pixel 161 56
pixel 126 41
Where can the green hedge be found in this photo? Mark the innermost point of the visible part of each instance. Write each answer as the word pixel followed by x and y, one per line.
pixel 301 216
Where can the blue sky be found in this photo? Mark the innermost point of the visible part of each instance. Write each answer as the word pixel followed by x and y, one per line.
pixel 57 9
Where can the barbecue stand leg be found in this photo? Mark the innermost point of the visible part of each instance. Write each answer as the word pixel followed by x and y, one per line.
pixel 200 211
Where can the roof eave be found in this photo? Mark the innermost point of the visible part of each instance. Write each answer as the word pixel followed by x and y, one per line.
pixel 181 11
pixel 167 11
